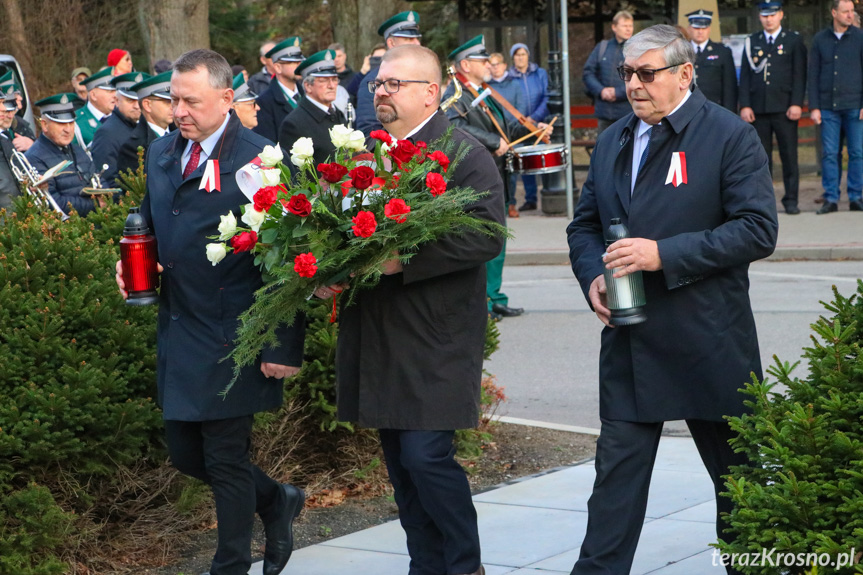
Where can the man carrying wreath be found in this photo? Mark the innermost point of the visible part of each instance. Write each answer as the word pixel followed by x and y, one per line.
pixel 410 351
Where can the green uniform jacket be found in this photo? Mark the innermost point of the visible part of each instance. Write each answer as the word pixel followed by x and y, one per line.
pixel 87 123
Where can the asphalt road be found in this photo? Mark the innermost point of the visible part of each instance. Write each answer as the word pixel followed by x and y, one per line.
pixel 548 358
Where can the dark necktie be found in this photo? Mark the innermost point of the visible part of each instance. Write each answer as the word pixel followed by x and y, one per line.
pixel 646 150
pixel 192 165
pixel 770 40
pixel 699 50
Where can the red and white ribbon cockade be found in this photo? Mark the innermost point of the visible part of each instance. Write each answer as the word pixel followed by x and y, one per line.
pixel 677 169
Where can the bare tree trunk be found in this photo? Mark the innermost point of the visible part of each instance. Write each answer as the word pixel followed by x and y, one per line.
pixel 172 27
pixel 355 24
pixel 17 35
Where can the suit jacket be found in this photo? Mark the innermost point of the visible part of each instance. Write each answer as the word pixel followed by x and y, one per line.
pixel 66 188
pixel 698 345
pixel 107 140
pixel 716 76
pixel 127 156
pixel 782 82
pixel 275 106
pixel 9 187
pixel 309 121
pixel 410 349
pixel 199 303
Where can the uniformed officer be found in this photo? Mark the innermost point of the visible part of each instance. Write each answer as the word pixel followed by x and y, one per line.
pixel 9 187
pixel 101 99
pixel 714 64
pixel 772 84
pixel 24 136
pixel 56 145
pixel 118 127
pixel 316 113
pixel 283 94
pixel 154 99
pixel 403 28
pixel 245 102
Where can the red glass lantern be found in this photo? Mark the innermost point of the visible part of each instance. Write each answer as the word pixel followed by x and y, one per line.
pixel 138 254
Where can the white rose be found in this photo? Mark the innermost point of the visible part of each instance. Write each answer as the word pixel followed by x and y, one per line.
pixel 356 141
pixel 302 151
pixel 271 177
pixel 271 155
pixel 339 135
pixel 227 227
pixel 216 252
pixel 253 218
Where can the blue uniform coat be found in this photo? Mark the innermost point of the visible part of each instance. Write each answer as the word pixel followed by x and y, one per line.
pixel 199 303
pixel 65 188
pixel 107 140
pixel 698 345
pixel 274 108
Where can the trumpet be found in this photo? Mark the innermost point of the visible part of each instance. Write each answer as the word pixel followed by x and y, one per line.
pixel 27 175
pixel 350 115
pixel 457 87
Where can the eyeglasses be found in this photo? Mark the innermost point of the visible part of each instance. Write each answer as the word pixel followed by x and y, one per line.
pixel 645 75
pixel 392 85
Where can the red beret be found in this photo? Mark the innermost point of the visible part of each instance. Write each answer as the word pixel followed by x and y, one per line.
pixel 115 55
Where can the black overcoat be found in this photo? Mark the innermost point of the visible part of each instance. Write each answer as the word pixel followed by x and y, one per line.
pixel 127 157
pixel 66 187
pixel 274 108
pixel 698 345
pixel 107 140
pixel 410 350
pixel 716 76
pixel 199 303
pixel 309 121
pixel 782 82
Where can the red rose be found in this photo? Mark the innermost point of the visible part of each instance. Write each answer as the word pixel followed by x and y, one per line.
pixel 332 172
pixel 265 198
pixel 403 152
pixel 362 177
pixel 383 136
pixel 435 183
pixel 244 242
pixel 299 205
pixel 396 209
pixel 364 224
pixel 440 158
pixel 304 265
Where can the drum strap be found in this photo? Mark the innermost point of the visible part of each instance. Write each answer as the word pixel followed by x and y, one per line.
pixel 483 106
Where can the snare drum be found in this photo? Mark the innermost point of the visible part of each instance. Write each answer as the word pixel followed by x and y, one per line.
pixel 540 159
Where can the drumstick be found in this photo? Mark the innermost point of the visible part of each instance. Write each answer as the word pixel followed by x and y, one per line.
pixel 541 136
pixel 525 137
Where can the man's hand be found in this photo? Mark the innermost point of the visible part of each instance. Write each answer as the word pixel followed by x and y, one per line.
pixel 599 300
pixel 366 65
pixel 547 129
pixel 326 292
pixel 793 113
pixel 747 115
pixel 118 277
pixel 278 371
pixel 815 116
pixel 630 255
pixel 22 143
pixel 393 266
pixel 502 148
pixel 608 94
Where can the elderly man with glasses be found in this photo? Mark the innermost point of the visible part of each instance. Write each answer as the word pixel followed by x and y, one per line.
pixel 691 182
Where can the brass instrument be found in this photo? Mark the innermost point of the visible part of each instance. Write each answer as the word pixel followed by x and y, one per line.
pixel 96 188
pixel 27 175
pixel 456 95
pixel 350 115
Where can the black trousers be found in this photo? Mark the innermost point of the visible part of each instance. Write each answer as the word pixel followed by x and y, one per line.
pixel 786 137
pixel 435 507
pixel 625 454
pixel 217 453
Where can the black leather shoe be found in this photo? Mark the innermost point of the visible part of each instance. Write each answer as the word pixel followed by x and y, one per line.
pixel 280 531
pixel 527 206
pixel 506 311
pixel 792 210
pixel 827 208
pixel 856 206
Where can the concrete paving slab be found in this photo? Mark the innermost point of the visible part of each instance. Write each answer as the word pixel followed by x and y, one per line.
pixel 702 564
pixel 702 513
pixel 386 538
pixel 678 454
pixel 325 559
pixel 567 489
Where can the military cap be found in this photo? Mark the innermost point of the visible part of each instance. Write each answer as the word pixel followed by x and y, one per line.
pixel 473 49
pixel 287 51
pixel 99 80
pixel 158 85
pixel 768 8
pixel 700 18
pixel 124 83
pixel 402 25
pixel 319 65
pixel 10 101
pixel 60 107
pixel 242 92
pixel 8 79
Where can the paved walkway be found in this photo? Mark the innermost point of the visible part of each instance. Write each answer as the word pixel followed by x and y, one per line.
pixel 535 526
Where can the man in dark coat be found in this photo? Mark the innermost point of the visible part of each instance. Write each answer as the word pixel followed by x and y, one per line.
pixel 118 127
pixel 409 359
pixel 259 81
pixel 772 84
pixel 714 65
pixel 283 94
pixel 56 145
pixel 316 113
pixel 600 77
pixel 208 436
pixel 154 98
pixel 691 182
pixel 23 135
pixel 9 186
